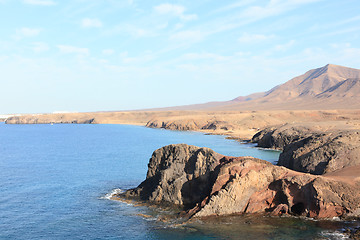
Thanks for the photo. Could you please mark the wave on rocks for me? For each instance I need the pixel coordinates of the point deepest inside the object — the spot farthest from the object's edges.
(114, 192)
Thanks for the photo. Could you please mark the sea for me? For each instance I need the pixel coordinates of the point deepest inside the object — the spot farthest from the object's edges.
(55, 183)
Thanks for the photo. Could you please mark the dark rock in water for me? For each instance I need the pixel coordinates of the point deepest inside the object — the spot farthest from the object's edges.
(179, 174)
(310, 151)
(206, 183)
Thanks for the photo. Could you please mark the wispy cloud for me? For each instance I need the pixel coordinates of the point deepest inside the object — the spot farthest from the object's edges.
(234, 6)
(91, 23)
(250, 38)
(249, 13)
(108, 51)
(40, 47)
(188, 36)
(72, 49)
(129, 29)
(26, 32)
(204, 56)
(174, 10)
(40, 2)
(285, 46)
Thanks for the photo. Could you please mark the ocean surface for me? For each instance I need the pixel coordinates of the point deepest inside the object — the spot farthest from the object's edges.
(55, 179)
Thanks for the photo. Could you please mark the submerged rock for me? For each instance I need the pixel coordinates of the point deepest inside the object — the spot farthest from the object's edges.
(206, 183)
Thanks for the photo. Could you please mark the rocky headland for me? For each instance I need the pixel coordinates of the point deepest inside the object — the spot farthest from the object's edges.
(309, 150)
(205, 183)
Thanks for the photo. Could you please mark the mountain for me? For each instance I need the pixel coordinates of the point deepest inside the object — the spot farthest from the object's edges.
(312, 83)
(328, 87)
(345, 89)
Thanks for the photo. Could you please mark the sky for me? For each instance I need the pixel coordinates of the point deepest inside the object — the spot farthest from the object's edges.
(108, 55)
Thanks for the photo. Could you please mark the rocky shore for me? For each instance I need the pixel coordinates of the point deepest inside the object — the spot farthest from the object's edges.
(317, 176)
(308, 150)
(205, 183)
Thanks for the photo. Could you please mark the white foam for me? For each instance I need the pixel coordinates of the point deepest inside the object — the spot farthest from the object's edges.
(112, 193)
(334, 235)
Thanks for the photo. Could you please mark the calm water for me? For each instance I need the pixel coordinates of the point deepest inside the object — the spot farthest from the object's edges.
(54, 178)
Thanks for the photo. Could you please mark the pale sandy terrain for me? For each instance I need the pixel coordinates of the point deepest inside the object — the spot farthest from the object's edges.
(349, 175)
(239, 124)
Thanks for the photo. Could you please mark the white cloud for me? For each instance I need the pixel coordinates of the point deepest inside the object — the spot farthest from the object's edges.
(40, 47)
(174, 10)
(188, 36)
(249, 38)
(162, 26)
(234, 6)
(144, 58)
(284, 47)
(205, 56)
(40, 2)
(179, 26)
(72, 49)
(91, 22)
(3, 58)
(26, 32)
(274, 8)
(108, 51)
(129, 29)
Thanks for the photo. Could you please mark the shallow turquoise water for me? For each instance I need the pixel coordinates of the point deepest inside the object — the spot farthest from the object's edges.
(54, 178)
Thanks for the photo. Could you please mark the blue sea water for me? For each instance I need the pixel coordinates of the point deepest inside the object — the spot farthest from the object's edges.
(54, 179)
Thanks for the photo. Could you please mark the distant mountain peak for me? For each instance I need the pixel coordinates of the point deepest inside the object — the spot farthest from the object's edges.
(312, 83)
(329, 87)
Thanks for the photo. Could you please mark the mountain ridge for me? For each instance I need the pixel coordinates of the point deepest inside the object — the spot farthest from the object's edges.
(305, 92)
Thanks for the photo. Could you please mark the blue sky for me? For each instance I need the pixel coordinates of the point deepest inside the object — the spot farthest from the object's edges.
(92, 55)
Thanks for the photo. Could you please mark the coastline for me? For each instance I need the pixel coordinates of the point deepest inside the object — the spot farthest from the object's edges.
(242, 125)
(326, 125)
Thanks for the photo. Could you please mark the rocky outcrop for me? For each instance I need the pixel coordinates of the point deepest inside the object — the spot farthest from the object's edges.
(322, 153)
(205, 183)
(216, 125)
(47, 119)
(179, 174)
(280, 136)
(307, 150)
(181, 125)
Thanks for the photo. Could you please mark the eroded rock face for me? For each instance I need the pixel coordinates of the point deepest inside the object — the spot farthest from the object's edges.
(322, 153)
(206, 183)
(311, 151)
(280, 136)
(178, 174)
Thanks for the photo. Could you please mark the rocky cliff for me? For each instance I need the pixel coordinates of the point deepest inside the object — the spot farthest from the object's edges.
(308, 150)
(206, 183)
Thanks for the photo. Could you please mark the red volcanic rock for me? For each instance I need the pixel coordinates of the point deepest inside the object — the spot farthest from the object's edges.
(206, 183)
